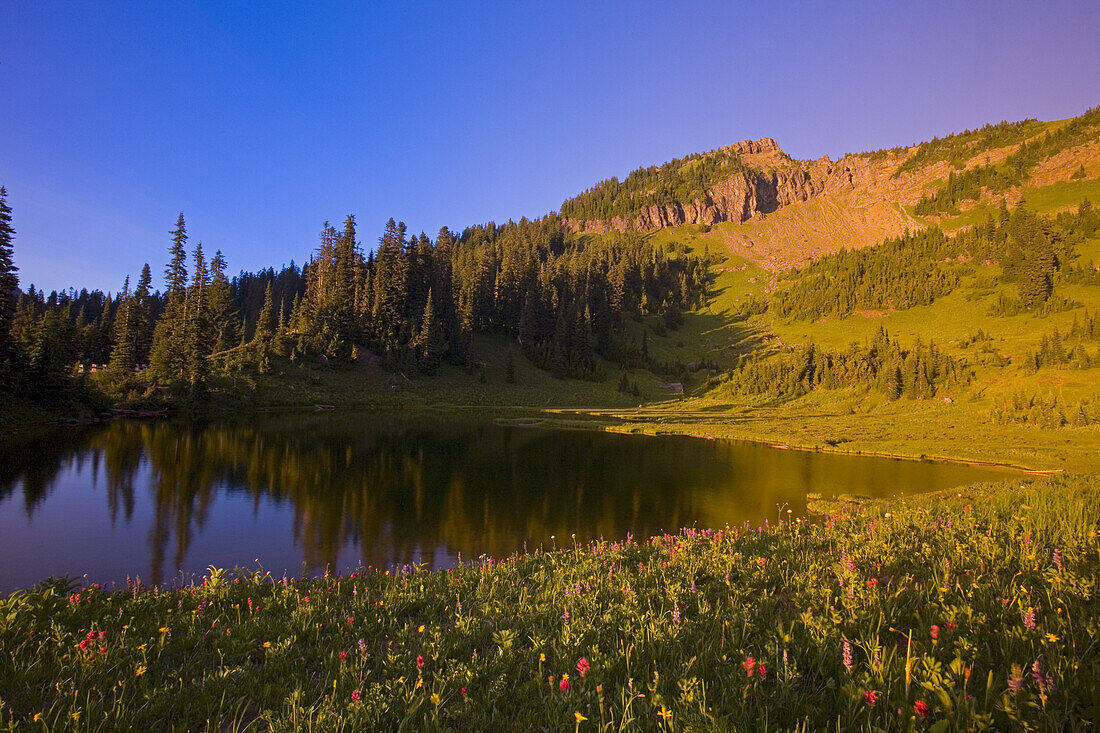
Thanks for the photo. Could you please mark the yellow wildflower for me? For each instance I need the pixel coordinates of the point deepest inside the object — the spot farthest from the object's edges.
(140, 670)
(37, 717)
(665, 713)
(421, 629)
(542, 657)
(267, 645)
(1052, 638)
(435, 698)
(579, 717)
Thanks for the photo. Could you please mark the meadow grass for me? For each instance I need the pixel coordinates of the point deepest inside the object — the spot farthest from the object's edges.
(972, 609)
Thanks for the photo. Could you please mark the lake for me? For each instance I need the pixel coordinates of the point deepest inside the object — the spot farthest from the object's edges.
(159, 498)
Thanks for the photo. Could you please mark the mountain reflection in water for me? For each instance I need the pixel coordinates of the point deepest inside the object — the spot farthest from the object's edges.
(156, 498)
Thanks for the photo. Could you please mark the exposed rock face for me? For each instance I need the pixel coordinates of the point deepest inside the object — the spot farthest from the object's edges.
(742, 197)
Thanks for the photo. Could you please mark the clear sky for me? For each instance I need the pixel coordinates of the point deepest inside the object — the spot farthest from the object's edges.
(260, 121)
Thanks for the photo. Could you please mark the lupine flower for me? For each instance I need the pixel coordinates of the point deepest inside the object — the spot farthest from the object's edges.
(920, 709)
(1016, 678)
(870, 697)
(1042, 679)
(1029, 618)
(847, 656)
(676, 615)
(583, 666)
(1057, 557)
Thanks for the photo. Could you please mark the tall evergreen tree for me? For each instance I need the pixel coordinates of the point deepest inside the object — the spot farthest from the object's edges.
(168, 354)
(144, 316)
(125, 347)
(198, 325)
(9, 294)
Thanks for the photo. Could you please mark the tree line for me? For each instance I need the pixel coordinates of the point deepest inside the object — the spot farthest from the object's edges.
(916, 372)
(409, 303)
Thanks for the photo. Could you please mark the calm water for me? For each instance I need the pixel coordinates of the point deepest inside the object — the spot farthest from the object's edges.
(157, 498)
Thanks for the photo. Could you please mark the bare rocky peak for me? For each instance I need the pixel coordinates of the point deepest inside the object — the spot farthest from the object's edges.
(763, 145)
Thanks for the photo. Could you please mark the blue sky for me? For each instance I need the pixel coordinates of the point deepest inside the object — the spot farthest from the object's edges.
(260, 121)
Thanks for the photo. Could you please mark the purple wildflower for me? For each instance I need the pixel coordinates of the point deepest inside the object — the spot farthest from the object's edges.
(1016, 678)
(847, 657)
(1029, 618)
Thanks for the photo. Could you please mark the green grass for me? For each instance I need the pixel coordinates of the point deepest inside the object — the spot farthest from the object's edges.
(969, 610)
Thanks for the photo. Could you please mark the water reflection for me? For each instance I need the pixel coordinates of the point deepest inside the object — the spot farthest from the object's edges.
(336, 489)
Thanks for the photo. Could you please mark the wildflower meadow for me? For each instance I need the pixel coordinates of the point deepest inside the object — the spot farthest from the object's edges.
(971, 610)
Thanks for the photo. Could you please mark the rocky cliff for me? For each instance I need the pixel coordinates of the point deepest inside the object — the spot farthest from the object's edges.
(743, 197)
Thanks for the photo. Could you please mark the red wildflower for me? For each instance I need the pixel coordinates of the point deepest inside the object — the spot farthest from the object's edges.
(564, 684)
(950, 625)
(419, 663)
(762, 671)
(935, 632)
(355, 694)
(582, 666)
(343, 656)
(920, 709)
(749, 665)
(870, 697)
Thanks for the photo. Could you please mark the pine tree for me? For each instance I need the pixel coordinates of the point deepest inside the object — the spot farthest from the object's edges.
(223, 312)
(9, 295)
(143, 316)
(168, 354)
(122, 355)
(198, 326)
(430, 341)
(390, 285)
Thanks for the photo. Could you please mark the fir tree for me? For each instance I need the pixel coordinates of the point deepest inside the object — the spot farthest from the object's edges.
(168, 354)
(122, 355)
(9, 294)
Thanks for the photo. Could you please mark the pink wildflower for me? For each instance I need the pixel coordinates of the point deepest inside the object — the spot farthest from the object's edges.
(355, 694)
(1029, 618)
(564, 684)
(762, 671)
(847, 656)
(870, 697)
(935, 632)
(920, 709)
(583, 666)
(419, 663)
(749, 665)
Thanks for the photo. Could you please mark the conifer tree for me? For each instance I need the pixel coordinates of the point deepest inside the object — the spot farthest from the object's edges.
(198, 326)
(262, 336)
(122, 355)
(168, 354)
(143, 316)
(9, 294)
(223, 312)
(430, 341)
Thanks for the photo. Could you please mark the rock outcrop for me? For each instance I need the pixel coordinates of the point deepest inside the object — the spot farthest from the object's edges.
(743, 197)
